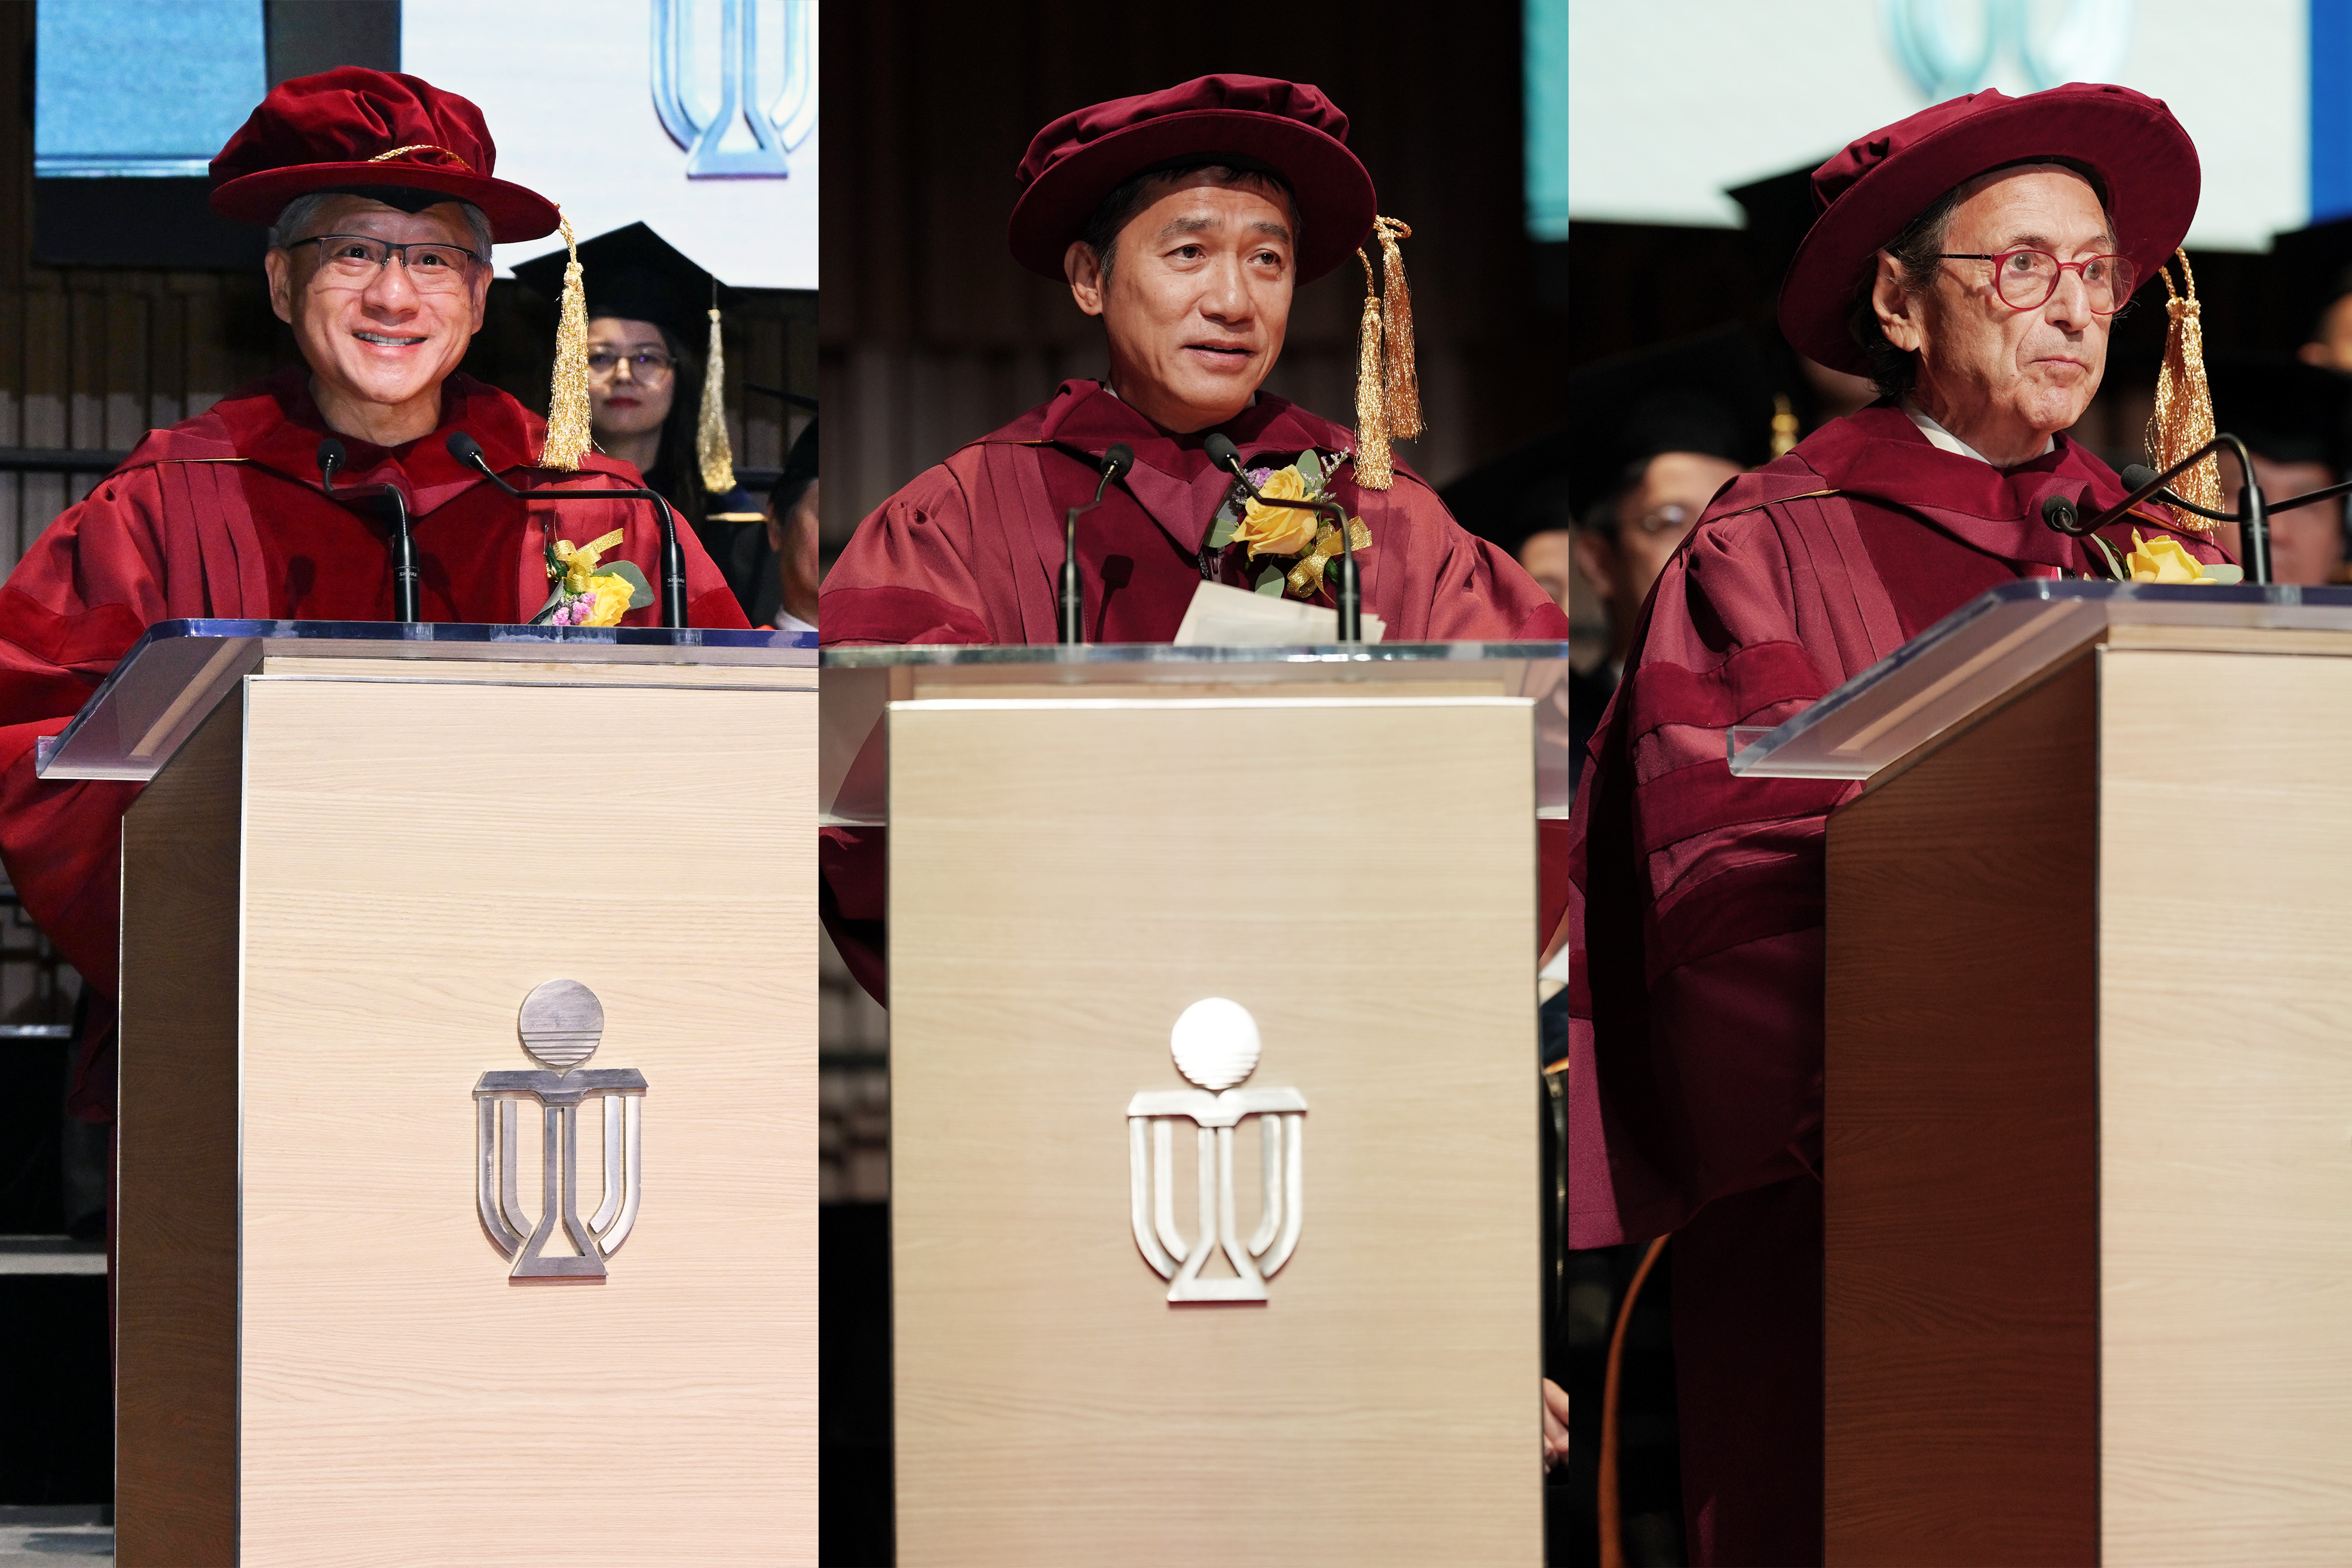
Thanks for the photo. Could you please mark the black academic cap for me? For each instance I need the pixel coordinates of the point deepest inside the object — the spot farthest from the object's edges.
(799, 471)
(1780, 210)
(637, 275)
(1705, 394)
(2310, 270)
(2282, 409)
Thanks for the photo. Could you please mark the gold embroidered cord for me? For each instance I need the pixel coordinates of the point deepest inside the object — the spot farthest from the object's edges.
(2183, 420)
(424, 147)
(568, 435)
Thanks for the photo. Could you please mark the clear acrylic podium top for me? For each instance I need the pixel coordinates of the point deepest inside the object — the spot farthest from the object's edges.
(859, 683)
(175, 674)
(1987, 646)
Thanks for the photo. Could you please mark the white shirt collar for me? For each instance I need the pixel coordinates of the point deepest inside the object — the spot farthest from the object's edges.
(1940, 437)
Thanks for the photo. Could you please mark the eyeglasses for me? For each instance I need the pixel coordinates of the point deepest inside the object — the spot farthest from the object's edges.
(354, 260)
(646, 364)
(1671, 518)
(2026, 279)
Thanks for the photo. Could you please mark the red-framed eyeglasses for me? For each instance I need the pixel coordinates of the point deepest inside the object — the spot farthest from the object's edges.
(2026, 279)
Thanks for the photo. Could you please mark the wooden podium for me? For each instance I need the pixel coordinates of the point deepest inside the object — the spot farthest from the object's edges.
(363, 846)
(2089, 1082)
(1083, 844)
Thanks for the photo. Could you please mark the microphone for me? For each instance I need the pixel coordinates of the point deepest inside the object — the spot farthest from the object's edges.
(2253, 516)
(332, 459)
(1350, 593)
(468, 452)
(1115, 465)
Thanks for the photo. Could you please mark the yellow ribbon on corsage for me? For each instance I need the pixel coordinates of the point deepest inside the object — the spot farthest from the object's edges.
(1304, 580)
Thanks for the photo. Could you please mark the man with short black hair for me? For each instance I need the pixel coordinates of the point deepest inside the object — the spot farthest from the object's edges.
(1184, 219)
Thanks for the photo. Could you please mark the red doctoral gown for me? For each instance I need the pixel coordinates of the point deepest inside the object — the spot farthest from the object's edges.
(221, 517)
(971, 552)
(1695, 914)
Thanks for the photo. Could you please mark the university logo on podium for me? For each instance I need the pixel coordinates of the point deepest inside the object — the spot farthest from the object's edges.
(561, 1024)
(1215, 1045)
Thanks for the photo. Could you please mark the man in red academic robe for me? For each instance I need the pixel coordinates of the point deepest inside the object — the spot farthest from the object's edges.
(1970, 259)
(382, 209)
(1184, 219)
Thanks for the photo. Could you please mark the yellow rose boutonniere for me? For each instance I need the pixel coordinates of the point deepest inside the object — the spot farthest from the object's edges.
(585, 596)
(1304, 539)
(2163, 560)
(1276, 530)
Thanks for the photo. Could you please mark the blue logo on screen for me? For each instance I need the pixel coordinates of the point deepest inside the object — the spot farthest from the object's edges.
(1944, 58)
(734, 82)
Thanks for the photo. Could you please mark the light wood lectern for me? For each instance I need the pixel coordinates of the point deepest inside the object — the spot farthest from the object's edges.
(1132, 1323)
(351, 1327)
(2089, 1082)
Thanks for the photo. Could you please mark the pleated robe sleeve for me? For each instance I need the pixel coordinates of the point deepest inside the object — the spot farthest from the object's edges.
(1696, 898)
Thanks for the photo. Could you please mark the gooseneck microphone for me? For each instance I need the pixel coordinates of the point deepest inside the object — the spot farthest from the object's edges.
(1349, 595)
(468, 451)
(1115, 465)
(2253, 516)
(332, 459)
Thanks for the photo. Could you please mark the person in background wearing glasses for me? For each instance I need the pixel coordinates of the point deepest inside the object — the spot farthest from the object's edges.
(648, 306)
(382, 210)
(1970, 259)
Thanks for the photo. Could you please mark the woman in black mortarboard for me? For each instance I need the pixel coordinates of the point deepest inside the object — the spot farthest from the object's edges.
(648, 312)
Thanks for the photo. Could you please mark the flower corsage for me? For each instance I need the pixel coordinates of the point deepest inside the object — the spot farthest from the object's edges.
(1298, 545)
(2163, 560)
(584, 596)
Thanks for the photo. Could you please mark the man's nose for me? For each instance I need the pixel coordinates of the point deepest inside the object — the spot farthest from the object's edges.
(391, 289)
(1227, 299)
(2070, 302)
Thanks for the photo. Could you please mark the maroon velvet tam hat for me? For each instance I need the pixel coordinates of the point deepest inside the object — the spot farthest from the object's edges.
(1870, 192)
(369, 131)
(1289, 126)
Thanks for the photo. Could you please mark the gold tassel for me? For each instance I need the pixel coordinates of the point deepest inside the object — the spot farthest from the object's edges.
(1784, 426)
(710, 443)
(1374, 471)
(1400, 385)
(2183, 420)
(568, 437)
(1388, 388)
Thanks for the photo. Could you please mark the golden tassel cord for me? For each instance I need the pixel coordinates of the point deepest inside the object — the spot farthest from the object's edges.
(1388, 387)
(1374, 469)
(568, 437)
(1784, 426)
(2183, 420)
(711, 447)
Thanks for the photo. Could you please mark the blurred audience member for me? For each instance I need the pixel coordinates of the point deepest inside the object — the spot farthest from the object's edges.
(2330, 344)
(792, 540)
(648, 321)
(2292, 416)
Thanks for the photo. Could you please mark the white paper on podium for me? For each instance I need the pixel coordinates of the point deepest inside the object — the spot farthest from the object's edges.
(1219, 617)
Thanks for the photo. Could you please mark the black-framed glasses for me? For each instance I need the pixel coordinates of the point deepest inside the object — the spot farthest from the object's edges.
(353, 260)
(2026, 279)
(646, 364)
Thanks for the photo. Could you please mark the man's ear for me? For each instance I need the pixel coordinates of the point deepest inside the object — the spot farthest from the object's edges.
(1084, 273)
(278, 266)
(1595, 555)
(1896, 307)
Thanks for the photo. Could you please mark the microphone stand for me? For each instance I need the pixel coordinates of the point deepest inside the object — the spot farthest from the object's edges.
(331, 457)
(468, 451)
(1349, 596)
(1116, 461)
(2253, 516)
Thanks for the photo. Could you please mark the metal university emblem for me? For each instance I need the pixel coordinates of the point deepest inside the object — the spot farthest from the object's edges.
(561, 1024)
(764, 52)
(1216, 1044)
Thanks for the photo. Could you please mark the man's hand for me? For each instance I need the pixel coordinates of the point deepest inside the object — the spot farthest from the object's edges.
(1555, 1430)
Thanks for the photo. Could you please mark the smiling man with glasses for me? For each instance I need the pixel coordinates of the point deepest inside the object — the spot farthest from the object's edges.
(1971, 260)
(382, 210)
